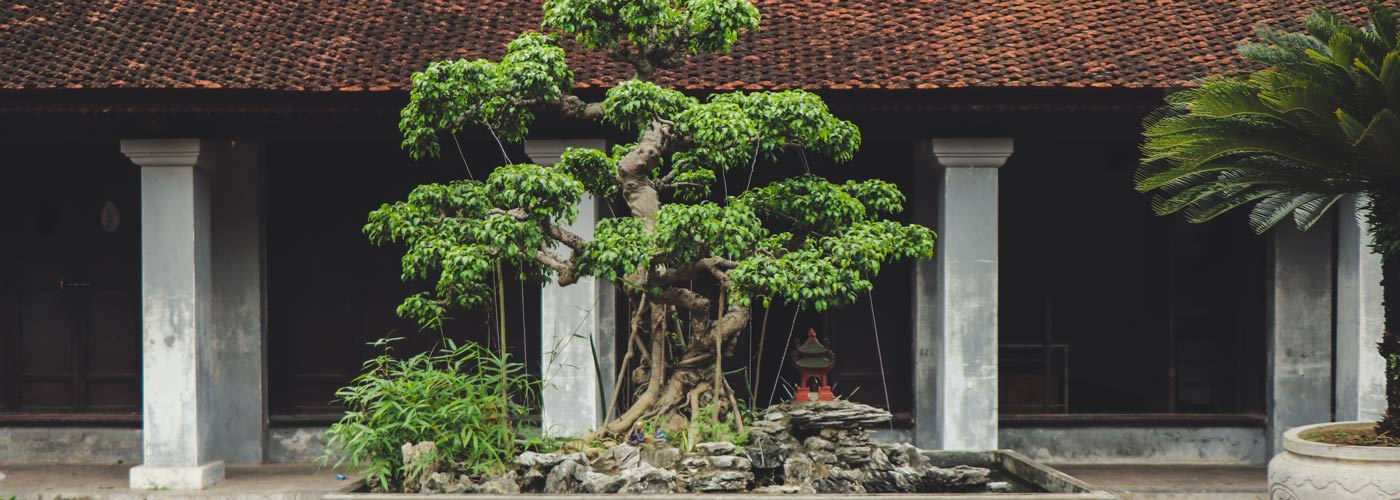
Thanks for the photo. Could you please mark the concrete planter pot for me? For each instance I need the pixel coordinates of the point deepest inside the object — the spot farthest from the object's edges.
(1055, 485)
(1309, 470)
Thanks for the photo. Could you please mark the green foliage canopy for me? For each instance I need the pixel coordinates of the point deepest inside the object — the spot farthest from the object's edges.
(802, 240)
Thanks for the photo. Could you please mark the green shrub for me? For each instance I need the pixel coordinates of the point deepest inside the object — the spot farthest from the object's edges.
(465, 398)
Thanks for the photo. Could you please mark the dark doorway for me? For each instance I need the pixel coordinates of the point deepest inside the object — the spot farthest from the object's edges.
(70, 325)
(1107, 308)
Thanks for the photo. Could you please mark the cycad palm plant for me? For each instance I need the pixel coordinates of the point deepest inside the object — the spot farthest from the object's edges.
(1318, 123)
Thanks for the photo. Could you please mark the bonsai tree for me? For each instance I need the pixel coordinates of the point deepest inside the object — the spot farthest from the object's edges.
(1316, 124)
(693, 260)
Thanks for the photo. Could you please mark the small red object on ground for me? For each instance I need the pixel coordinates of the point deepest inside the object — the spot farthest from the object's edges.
(814, 360)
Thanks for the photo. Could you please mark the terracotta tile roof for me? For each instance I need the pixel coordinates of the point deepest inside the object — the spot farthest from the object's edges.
(373, 45)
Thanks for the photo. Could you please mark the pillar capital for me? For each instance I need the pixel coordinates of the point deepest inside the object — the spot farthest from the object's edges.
(163, 152)
(548, 151)
(971, 152)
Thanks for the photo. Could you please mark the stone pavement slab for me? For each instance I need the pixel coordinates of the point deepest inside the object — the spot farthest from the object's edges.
(1175, 482)
(109, 482)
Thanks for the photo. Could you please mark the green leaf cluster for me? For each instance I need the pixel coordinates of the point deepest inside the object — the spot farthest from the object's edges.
(450, 94)
(461, 231)
(650, 26)
(594, 169)
(688, 233)
(633, 104)
(452, 396)
(809, 203)
(822, 272)
(619, 247)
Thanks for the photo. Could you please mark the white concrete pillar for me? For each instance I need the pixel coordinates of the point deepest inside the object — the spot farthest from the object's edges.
(203, 381)
(1360, 379)
(176, 293)
(955, 299)
(1299, 328)
(577, 326)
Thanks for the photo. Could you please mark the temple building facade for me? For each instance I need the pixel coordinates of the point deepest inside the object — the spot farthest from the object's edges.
(185, 282)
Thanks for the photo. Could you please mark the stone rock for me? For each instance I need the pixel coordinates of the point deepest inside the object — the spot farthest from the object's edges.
(800, 470)
(576, 457)
(715, 448)
(730, 462)
(779, 489)
(721, 481)
(853, 456)
(567, 477)
(824, 457)
(816, 443)
(661, 457)
(504, 484)
(596, 482)
(769, 451)
(839, 414)
(839, 481)
(648, 479)
(463, 484)
(891, 480)
(879, 460)
(766, 428)
(694, 465)
(999, 487)
(532, 481)
(617, 459)
(547, 460)
(531, 459)
(436, 482)
(417, 454)
(957, 479)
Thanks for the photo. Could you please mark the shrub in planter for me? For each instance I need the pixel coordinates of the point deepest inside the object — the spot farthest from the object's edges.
(1289, 141)
(464, 398)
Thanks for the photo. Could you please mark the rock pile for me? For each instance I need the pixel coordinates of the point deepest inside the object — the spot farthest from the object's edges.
(813, 447)
(822, 447)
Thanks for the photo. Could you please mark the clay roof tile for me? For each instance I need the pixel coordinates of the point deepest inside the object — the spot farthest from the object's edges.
(364, 45)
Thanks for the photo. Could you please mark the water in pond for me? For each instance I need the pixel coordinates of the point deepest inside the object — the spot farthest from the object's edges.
(1017, 485)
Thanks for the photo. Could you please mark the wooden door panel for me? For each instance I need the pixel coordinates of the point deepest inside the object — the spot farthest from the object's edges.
(46, 333)
(113, 346)
(70, 326)
(113, 394)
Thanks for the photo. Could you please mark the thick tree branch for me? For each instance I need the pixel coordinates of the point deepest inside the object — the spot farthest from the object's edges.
(634, 171)
(572, 106)
(717, 266)
(567, 270)
(686, 298)
(568, 238)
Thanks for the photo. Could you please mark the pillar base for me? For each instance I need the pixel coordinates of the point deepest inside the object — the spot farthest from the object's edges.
(199, 477)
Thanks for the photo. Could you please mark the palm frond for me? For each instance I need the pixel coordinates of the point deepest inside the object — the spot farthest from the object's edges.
(1269, 211)
(1313, 211)
(1290, 139)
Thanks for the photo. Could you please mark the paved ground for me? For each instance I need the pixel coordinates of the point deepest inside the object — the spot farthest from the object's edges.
(1176, 482)
(107, 482)
(309, 482)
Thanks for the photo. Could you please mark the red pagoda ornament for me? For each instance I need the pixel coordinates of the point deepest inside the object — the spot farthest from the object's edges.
(814, 360)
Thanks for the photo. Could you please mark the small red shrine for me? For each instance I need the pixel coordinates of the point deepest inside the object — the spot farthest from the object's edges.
(813, 360)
